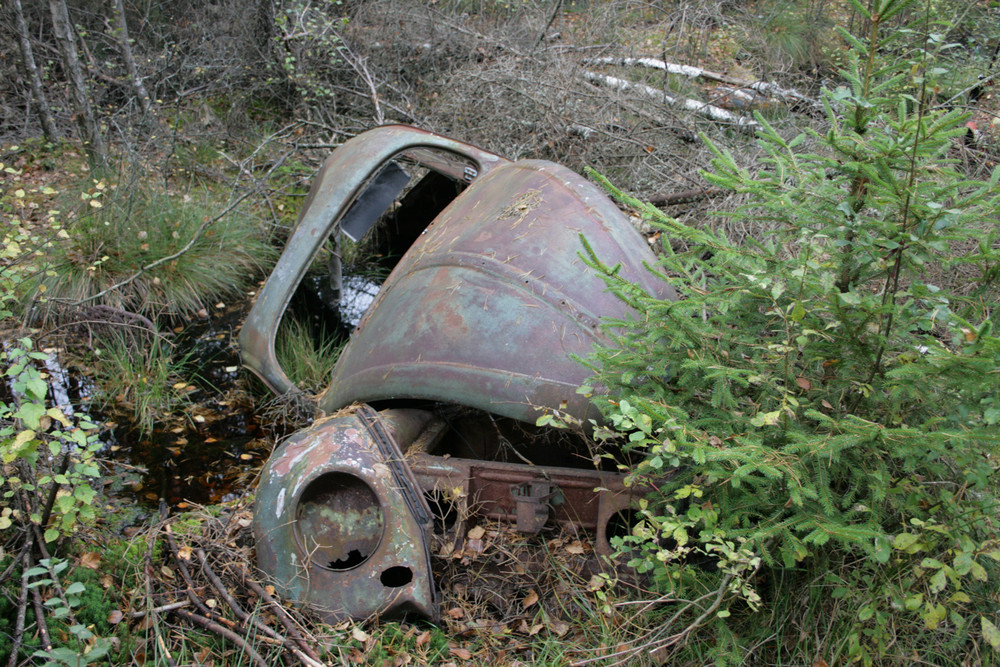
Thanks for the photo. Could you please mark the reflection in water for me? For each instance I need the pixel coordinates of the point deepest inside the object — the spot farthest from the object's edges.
(358, 293)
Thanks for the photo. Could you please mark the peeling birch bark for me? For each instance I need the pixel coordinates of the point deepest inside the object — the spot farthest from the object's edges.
(704, 109)
(762, 87)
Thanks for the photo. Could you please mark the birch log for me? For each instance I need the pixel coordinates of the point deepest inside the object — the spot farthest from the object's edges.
(704, 109)
(762, 87)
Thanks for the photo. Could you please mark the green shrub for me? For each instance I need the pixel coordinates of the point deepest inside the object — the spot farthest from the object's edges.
(819, 419)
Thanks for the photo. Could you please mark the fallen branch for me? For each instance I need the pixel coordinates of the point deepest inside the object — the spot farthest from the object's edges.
(709, 111)
(142, 613)
(283, 618)
(685, 196)
(762, 87)
(224, 632)
(22, 607)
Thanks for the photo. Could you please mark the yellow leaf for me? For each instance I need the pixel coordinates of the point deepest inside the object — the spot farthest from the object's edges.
(23, 437)
(57, 414)
(95, 204)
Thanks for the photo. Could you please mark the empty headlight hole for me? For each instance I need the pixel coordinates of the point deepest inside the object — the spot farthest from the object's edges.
(339, 521)
(396, 576)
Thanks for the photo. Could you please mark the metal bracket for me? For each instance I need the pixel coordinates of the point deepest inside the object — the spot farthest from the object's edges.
(532, 501)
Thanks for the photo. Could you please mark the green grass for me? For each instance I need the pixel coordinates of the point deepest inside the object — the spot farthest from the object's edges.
(308, 360)
(138, 380)
(143, 230)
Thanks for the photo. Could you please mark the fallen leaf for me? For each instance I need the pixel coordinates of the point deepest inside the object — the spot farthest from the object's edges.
(359, 634)
(115, 617)
(535, 629)
(558, 627)
(530, 599)
(106, 581)
(211, 603)
(476, 533)
(184, 553)
(180, 385)
(826, 404)
(167, 572)
(270, 590)
(803, 383)
(90, 560)
(463, 653)
(423, 638)
(246, 457)
(199, 418)
(576, 548)
(820, 662)
(456, 613)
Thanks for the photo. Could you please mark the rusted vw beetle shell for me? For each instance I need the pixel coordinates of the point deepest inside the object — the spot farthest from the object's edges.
(488, 310)
(491, 304)
(488, 306)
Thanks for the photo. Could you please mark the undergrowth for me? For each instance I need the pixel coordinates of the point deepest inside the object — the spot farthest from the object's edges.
(144, 250)
(828, 414)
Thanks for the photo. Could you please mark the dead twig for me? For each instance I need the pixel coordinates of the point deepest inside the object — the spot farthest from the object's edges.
(22, 608)
(283, 618)
(224, 632)
(685, 196)
(159, 610)
(233, 604)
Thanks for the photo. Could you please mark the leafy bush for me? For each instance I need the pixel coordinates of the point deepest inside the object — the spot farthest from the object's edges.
(814, 411)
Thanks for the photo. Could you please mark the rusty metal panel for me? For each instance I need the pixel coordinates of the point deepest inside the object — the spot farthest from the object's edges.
(342, 179)
(491, 304)
(341, 524)
(587, 499)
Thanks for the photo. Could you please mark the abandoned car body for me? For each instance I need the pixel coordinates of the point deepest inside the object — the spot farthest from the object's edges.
(476, 331)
